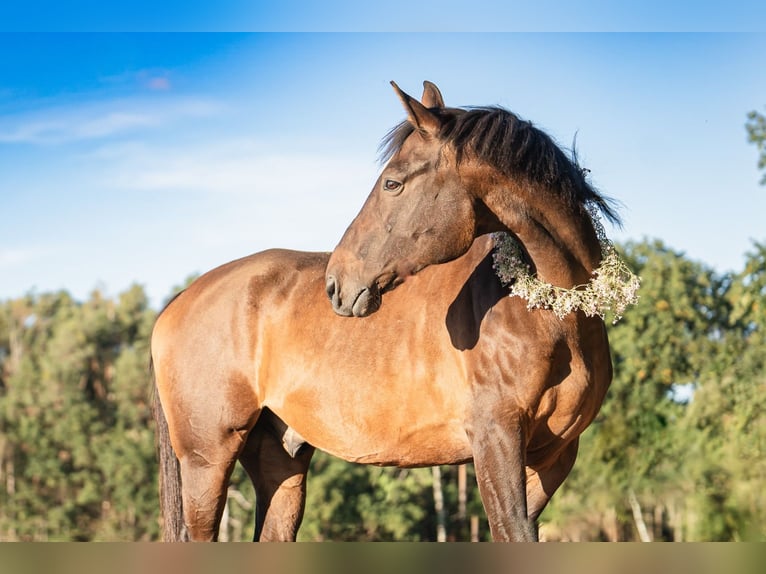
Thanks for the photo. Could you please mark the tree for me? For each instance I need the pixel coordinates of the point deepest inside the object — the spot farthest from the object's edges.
(127, 458)
(628, 463)
(78, 458)
(727, 419)
(356, 502)
(47, 423)
(677, 452)
(756, 133)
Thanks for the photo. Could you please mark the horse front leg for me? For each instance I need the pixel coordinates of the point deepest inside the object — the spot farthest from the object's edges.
(499, 453)
(543, 482)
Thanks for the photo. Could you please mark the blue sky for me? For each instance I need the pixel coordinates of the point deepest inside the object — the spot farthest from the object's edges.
(392, 15)
(147, 157)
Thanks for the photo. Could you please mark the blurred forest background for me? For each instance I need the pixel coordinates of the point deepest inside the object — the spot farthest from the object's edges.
(677, 452)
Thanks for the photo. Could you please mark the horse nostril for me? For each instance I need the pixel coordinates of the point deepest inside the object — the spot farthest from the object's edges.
(331, 287)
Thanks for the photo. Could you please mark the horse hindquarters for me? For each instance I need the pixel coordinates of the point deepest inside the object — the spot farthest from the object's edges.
(192, 491)
(206, 448)
(194, 485)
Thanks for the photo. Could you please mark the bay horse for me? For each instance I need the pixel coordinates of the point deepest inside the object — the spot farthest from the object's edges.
(253, 364)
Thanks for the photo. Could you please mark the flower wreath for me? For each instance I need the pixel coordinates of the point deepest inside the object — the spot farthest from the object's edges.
(612, 288)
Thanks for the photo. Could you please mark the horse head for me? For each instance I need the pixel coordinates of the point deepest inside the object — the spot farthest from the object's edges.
(420, 212)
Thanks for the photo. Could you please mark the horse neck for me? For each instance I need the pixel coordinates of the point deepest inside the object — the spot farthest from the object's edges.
(560, 240)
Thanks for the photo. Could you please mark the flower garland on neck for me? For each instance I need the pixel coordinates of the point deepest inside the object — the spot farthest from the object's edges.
(612, 288)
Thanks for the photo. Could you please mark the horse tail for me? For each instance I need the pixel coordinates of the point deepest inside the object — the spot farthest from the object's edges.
(171, 502)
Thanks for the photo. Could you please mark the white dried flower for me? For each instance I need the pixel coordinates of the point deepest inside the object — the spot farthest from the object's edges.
(612, 288)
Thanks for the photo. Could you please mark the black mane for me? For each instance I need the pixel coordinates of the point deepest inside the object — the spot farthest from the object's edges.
(513, 146)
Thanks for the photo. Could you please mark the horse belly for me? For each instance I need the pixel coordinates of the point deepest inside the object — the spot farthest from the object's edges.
(389, 445)
(372, 421)
(420, 447)
(388, 389)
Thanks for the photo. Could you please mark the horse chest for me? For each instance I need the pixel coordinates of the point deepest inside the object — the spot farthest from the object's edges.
(567, 407)
(553, 384)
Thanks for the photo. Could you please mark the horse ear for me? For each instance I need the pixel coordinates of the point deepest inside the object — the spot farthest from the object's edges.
(432, 97)
(419, 115)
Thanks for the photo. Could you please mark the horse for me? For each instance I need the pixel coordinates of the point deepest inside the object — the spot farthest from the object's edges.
(420, 357)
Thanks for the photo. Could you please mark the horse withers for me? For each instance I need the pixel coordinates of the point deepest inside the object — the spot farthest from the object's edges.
(438, 364)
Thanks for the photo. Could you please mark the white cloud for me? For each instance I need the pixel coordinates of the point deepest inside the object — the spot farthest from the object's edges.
(144, 156)
(13, 257)
(98, 120)
(234, 166)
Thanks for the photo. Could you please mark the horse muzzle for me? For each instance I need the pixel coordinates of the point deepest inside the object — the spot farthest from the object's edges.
(353, 301)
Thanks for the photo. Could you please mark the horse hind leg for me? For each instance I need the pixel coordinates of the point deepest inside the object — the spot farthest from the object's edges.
(277, 461)
(205, 473)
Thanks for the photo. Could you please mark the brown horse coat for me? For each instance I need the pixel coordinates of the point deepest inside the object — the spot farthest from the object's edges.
(252, 362)
(395, 388)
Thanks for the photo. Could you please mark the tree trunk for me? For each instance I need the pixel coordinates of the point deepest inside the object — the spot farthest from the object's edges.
(659, 521)
(223, 527)
(10, 489)
(643, 532)
(474, 528)
(675, 522)
(610, 525)
(441, 517)
(462, 498)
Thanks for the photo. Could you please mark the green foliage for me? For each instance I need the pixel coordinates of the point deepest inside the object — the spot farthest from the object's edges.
(727, 421)
(77, 455)
(756, 133)
(695, 462)
(354, 502)
(77, 447)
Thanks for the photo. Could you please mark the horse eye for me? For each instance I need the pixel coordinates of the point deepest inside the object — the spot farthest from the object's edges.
(392, 185)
